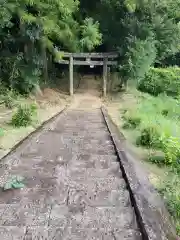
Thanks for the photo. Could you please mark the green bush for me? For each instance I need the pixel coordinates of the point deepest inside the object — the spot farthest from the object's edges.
(171, 149)
(131, 121)
(149, 137)
(8, 98)
(24, 115)
(161, 80)
(157, 159)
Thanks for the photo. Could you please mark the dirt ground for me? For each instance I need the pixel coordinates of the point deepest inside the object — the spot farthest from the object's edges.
(88, 95)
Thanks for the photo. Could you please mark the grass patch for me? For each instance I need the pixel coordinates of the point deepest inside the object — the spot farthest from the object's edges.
(157, 120)
(169, 189)
(155, 123)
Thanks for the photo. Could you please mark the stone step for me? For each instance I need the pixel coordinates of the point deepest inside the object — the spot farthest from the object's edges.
(65, 153)
(61, 140)
(97, 184)
(44, 165)
(56, 148)
(86, 141)
(104, 164)
(89, 118)
(94, 198)
(98, 151)
(91, 132)
(36, 192)
(84, 114)
(24, 215)
(89, 173)
(12, 233)
(57, 233)
(97, 158)
(83, 120)
(65, 215)
(93, 217)
(89, 148)
(84, 135)
(27, 173)
(53, 137)
(80, 123)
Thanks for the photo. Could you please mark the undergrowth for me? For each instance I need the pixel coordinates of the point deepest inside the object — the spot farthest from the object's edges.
(8, 98)
(170, 191)
(161, 80)
(24, 115)
(156, 120)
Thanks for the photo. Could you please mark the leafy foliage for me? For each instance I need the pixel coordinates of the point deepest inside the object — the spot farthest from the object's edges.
(156, 129)
(159, 131)
(90, 34)
(15, 182)
(8, 98)
(30, 33)
(170, 190)
(160, 80)
(24, 115)
(140, 56)
(131, 120)
(149, 137)
(144, 32)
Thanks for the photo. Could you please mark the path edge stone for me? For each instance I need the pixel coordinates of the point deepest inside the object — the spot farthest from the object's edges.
(34, 132)
(152, 216)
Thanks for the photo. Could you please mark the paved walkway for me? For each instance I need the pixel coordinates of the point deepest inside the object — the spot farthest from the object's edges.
(74, 188)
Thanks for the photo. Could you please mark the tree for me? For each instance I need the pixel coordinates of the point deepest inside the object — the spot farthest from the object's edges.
(31, 31)
(142, 31)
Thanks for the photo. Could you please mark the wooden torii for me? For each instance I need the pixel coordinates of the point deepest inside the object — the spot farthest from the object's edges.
(91, 59)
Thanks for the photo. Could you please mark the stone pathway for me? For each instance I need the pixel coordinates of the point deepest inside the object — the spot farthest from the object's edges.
(74, 188)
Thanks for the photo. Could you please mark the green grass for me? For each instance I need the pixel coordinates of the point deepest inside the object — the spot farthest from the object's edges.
(155, 122)
(169, 188)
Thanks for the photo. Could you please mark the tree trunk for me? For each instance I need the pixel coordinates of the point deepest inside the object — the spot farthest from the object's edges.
(45, 67)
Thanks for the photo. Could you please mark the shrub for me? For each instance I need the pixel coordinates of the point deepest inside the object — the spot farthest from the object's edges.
(157, 159)
(131, 121)
(24, 115)
(149, 137)
(161, 80)
(171, 149)
(8, 98)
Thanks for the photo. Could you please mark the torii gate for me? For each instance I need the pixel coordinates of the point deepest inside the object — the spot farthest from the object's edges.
(99, 59)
